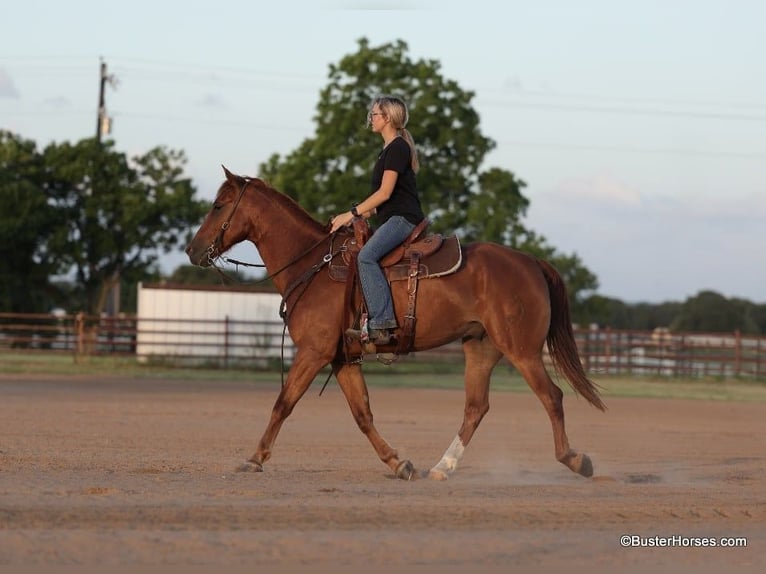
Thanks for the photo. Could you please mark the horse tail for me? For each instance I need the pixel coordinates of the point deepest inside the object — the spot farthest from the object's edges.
(561, 341)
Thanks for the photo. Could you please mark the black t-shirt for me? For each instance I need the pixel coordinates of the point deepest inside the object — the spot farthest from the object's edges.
(404, 200)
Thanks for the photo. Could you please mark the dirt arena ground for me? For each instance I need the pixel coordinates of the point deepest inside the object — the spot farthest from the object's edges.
(116, 471)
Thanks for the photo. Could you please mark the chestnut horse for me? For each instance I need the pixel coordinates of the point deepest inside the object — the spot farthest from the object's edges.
(500, 302)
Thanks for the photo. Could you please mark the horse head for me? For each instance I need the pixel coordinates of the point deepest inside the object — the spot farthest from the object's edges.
(224, 226)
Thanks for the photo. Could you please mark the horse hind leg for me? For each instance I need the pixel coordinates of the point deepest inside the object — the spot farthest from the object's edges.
(534, 372)
(481, 356)
(354, 388)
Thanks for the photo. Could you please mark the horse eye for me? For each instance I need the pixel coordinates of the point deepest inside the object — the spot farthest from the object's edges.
(217, 206)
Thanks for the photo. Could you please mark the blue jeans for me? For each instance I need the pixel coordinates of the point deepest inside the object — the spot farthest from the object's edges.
(377, 293)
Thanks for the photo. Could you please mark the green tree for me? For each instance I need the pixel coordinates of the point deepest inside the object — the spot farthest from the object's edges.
(758, 313)
(610, 312)
(712, 312)
(648, 316)
(331, 170)
(115, 216)
(26, 224)
(604, 312)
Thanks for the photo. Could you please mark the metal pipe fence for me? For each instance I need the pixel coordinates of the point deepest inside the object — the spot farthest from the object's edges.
(230, 342)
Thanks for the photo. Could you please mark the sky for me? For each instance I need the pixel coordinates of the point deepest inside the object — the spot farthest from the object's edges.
(638, 127)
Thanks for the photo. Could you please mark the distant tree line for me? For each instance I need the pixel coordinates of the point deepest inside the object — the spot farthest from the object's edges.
(707, 311)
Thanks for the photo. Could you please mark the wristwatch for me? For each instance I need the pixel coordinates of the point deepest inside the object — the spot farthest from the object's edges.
(354, 211)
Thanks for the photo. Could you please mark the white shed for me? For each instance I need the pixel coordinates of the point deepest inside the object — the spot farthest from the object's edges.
(211, 324)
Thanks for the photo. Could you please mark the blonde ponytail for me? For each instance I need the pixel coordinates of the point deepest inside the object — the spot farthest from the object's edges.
(414, 161)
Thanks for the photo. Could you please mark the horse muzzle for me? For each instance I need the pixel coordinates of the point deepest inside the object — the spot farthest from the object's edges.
(204, 258)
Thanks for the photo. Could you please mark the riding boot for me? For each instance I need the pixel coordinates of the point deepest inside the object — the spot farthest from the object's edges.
(376, 336)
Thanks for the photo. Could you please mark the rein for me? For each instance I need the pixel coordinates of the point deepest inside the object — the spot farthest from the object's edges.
(272, 275)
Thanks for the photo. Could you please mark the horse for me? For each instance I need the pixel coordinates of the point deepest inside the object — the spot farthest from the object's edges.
(501, 302)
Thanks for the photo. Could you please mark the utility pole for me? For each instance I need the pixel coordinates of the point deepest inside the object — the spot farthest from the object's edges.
(103, 122)
(104, 127)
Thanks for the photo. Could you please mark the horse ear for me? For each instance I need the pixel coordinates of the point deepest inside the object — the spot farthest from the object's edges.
(229, 176)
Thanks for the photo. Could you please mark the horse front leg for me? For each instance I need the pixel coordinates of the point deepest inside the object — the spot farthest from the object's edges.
(299, 378)
(354, 388)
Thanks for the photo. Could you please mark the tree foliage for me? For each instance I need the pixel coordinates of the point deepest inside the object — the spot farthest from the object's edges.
(707, 311)
(712, 312)
(332, 169)
(92, 214)
(26, 225)
(610, 312)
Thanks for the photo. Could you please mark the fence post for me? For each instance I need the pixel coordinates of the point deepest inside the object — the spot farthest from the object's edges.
(737, 353)
(79, 329)
(226, 342)
(587, 350)
(608, 349)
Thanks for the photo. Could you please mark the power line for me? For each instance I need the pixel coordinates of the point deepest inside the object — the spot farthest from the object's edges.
(184, 73)
(635, 150)
(221, 69)
(628, 111)
(523, 92)
(176, 72)
(248, 125)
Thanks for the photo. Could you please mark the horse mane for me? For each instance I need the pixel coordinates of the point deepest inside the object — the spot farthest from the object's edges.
(285, 203)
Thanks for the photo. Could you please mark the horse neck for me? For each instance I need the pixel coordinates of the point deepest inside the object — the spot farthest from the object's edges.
(282, 231)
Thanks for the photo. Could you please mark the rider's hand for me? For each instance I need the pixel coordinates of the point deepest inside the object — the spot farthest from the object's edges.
(341, 221)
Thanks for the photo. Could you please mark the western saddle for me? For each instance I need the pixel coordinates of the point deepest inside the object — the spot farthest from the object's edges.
(422, 255)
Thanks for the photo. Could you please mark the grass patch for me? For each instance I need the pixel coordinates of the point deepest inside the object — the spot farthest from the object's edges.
(713, 389)
(506, 380)
(401, 375)
(65, 365)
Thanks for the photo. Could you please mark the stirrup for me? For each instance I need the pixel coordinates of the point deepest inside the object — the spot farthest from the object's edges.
(381, 336)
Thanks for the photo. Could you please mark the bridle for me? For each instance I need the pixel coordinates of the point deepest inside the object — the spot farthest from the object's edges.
(213, 248)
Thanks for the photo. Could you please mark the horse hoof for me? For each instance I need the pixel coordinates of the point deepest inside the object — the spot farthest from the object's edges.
(405, 470)
(586, 466)
(434, 474)
(250, 466)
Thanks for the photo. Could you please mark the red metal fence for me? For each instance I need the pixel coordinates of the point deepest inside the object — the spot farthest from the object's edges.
(231, 342)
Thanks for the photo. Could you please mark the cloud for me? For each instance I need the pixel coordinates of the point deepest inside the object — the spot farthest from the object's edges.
(646, 248)
(513, 83)
(7, 88)
(58, 102)
(736, 209)
(213, 101)
(379, 5)
(601, 189)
